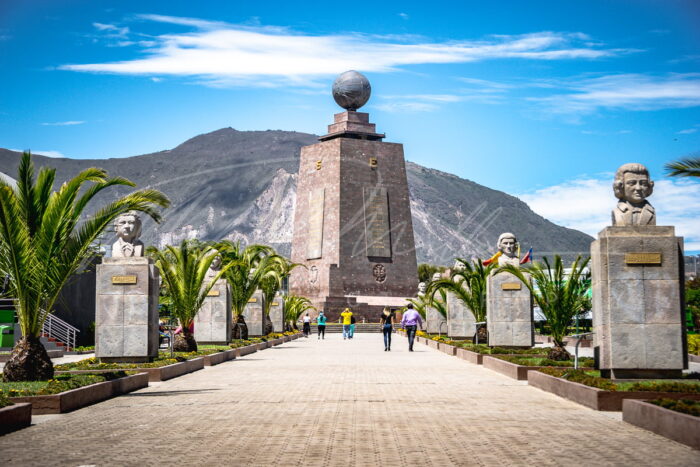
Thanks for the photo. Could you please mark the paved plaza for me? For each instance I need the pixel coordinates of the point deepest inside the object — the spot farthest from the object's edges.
(335, 402)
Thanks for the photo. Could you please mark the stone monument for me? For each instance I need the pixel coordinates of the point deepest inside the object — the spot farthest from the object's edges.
(352, 226)
(212, 324)
(277, 313)
(509, 314)
(460, 319)
(637, 279)
(126, 316)
(435, 323)
(254, 315)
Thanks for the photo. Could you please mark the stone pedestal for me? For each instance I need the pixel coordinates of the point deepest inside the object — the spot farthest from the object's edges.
(277, 314)
(353, 230)
(435, 323)
(212, 325)
(637, 279)
(509, 316)
(126, 317)
(460, 319)
(254, 316)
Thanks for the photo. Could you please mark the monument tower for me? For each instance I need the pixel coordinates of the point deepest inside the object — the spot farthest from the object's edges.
(352, 224)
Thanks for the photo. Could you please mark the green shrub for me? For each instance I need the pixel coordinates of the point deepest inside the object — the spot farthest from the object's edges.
(60, 383)
(541, 361)
(686, 406)
(4, 399)
(661, 386)
(694, 344)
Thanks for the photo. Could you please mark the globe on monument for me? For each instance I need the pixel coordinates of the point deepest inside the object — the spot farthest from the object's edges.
(351, 90)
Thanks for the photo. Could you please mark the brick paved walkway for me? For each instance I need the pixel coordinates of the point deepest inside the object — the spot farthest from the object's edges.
(338, 402)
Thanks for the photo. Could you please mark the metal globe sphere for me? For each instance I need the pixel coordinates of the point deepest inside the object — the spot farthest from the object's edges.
(351, 90)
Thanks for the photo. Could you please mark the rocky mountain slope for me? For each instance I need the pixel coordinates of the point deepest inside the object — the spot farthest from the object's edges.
(242, 186)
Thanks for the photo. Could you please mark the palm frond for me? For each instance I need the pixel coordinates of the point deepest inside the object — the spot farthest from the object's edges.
(687, 167)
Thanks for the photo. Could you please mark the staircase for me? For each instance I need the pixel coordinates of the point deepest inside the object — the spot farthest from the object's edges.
(57, 336)
(359, 327)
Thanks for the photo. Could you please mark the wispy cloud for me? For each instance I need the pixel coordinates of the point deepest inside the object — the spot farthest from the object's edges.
(625, 92)
(586, 203)
(112, 30)
(221, 53)
(404, 15)
(55, 154)
(67, 123)
(687, 131)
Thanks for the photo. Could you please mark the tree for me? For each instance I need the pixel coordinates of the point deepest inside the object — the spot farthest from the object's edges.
(426, 271)
(44, 239)
(270, 284)
(467, 283)
(294, 307)
(184, 272)
(560, 295)
(428, 300)
(687, 167)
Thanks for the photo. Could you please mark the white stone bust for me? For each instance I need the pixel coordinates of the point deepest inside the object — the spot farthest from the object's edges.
(127, 227)
(214, 267)
(508, 246)
(422, 287)
(436, 277)
(632, 186)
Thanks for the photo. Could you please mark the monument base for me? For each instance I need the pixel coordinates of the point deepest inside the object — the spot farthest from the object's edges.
(638, 308)
(277, 314)
(435, 323)
(460, 319)
(641, 374)
(126, 317)
(255, 319)
(212, 324)
(509, 316)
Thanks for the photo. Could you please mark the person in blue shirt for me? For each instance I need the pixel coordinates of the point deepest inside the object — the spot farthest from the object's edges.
(321, 321)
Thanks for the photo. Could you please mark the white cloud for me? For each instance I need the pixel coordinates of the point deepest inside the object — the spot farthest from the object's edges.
(68, 123)
(687, 131)
(55, 154)
(226, 54)
(112, 30)
(416, 102)
(404, 15)
(626, 92)
(586, 203)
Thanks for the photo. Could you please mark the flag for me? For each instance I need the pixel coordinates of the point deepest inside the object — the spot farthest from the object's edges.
(491, 259)
(527, 258)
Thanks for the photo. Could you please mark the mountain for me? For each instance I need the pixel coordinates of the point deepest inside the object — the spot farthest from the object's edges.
(242, 185)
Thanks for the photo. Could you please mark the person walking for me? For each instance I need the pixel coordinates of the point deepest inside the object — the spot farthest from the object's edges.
(321, 322)
(352, 327)
(307, 325)
(410, 322)
(386, 319)
(346, 316)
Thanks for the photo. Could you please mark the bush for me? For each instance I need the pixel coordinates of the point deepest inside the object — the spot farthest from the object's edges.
(694, 344)
(60, 383)
(540, 361)
(662, 386)
(686, 406)
(4, 399)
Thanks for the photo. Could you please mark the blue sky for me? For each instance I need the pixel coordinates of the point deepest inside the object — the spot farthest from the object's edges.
(539, 99)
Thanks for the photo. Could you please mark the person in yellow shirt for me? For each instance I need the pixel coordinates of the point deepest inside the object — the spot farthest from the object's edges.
(347, 321)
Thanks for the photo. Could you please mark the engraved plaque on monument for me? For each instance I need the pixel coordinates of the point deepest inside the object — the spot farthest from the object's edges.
(316, 205)
(377, 230)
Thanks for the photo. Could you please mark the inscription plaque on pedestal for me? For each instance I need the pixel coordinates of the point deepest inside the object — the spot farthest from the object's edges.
(316, 204)
(377, 230)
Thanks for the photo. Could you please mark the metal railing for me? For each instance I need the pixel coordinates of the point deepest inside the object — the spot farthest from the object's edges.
(60, 330)
(579, 337)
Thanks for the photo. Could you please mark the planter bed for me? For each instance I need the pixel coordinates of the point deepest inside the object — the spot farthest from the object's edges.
(15, 416)
(246, 350)
(162, 373)
(219, 357)
(468, 355)
(447, 348)
(597, 399)
(677, 426)
(432, 344)
(277, 341)
(86, 395)
(511, 369)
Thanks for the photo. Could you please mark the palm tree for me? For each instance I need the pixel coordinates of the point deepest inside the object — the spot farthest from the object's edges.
(272, 283)
(184, 271)
(687, 167)
(559, 295)
(294, 307)
(467, 283)
(43, 241)
(248, 267)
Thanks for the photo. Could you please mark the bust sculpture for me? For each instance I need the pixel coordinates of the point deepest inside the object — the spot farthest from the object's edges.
(436, 277)
(508, 245)
(632, 186)
(214, 267)
(422, 287)
(128, 230)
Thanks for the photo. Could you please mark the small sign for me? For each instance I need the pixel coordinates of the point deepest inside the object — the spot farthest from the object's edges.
(252, 300)
(213, 293)
(373, 162)
(642, 258)
(131, 279)
(274, 304)
(511, 286)
(318, 165)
